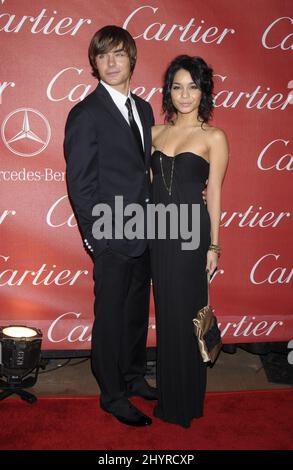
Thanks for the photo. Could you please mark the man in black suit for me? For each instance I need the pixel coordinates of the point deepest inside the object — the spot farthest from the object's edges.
(108, 147)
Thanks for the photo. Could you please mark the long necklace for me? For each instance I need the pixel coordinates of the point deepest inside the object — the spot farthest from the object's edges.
(168, 187)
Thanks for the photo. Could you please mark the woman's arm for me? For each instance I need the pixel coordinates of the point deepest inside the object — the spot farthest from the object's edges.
(218, 157)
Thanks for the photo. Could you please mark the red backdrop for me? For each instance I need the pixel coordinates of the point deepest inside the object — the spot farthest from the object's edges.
(45, 275)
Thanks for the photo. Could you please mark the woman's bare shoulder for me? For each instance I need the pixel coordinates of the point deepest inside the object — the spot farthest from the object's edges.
(217, 135)
(218, 146)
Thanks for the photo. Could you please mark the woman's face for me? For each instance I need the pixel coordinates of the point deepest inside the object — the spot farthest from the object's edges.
(184, 93)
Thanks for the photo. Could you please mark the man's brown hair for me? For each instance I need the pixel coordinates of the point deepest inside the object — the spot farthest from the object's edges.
(108, 38)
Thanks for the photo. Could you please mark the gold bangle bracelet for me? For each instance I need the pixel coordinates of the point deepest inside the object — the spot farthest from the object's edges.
(215, 250)
(215, 247)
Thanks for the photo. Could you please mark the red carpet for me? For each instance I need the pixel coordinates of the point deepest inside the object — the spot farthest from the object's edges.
(233, 420)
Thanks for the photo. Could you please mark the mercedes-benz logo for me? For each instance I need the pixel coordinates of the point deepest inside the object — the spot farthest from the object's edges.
(26, 142)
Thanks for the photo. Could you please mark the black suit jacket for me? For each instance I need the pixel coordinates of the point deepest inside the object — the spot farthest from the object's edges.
(103, 161)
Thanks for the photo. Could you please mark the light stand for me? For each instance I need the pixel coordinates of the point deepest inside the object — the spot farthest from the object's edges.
(20, 350)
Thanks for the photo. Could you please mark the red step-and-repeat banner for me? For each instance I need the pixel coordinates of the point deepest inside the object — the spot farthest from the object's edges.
(45, 275)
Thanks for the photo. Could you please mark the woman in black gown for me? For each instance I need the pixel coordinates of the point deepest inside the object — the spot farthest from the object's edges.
(187, 152)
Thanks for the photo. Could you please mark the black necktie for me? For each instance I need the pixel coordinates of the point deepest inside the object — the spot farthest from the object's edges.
(133, 125)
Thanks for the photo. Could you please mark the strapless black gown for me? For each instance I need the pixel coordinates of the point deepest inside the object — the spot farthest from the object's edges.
(180, 289)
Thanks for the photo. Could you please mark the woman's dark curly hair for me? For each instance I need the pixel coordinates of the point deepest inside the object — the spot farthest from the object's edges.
(201, 74)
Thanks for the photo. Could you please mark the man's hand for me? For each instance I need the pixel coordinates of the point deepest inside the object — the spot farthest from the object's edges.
(204, 193)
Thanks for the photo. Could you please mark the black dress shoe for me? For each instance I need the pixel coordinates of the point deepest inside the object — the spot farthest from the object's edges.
(142, 389)
(126, 413)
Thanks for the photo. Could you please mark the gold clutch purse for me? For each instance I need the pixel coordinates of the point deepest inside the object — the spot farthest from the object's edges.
(207, 331)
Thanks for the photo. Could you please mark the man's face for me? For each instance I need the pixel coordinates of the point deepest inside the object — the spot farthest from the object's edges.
(114, 67)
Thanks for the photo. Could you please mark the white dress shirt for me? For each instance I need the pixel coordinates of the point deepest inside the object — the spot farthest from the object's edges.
(120, 100)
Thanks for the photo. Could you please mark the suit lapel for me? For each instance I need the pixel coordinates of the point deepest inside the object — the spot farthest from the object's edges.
(112, 108)
(116, 114)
